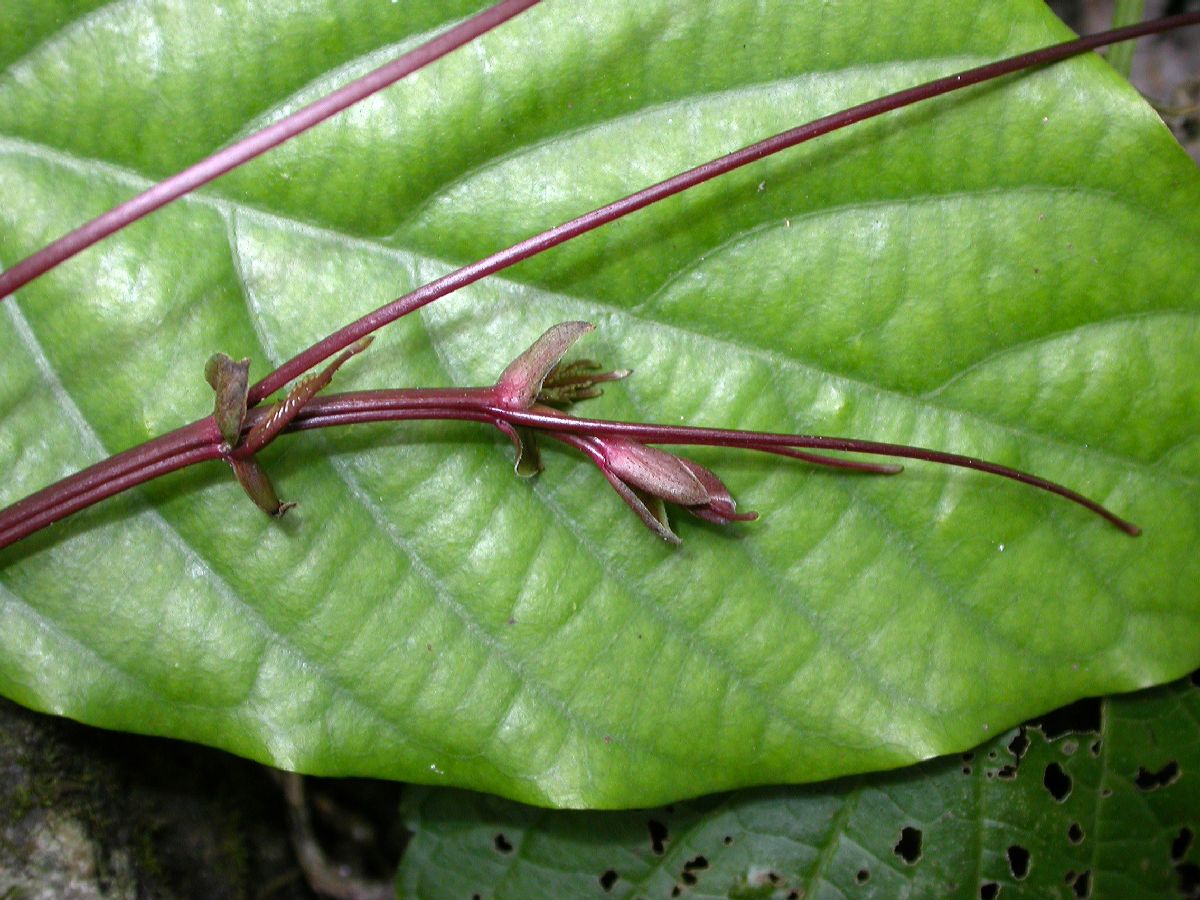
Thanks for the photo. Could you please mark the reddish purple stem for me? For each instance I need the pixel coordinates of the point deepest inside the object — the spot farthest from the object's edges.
(552, 237)
(373, 406)
(202, 441)
(255, 145)
(193, 443)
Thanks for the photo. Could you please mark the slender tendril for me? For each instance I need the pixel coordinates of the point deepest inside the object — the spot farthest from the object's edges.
(607, 443)
(590, 221)
(256, 144)
(201, 441)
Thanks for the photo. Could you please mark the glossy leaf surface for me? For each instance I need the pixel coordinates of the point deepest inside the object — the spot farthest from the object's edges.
(1010, 273)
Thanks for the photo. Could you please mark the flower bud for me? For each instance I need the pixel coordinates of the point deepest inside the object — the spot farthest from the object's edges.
(654, 471)
(645, 476)
(721, 508)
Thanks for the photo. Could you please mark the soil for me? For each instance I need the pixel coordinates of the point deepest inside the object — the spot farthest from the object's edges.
(86, 813)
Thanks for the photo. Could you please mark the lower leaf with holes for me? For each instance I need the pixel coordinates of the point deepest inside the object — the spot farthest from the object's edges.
(1009, 273)
(1098, 810)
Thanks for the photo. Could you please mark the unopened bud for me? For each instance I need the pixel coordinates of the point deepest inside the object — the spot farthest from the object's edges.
(654, 471)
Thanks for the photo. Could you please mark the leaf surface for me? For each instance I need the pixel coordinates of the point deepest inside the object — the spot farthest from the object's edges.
(1098, 800)
(1010, 273)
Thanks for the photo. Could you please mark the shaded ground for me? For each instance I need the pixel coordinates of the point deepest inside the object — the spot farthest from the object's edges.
(87, 813)
(1166, 68)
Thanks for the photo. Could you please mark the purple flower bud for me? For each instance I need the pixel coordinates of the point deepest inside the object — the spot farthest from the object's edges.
(654, 471)
(721, 508)
(645, 476)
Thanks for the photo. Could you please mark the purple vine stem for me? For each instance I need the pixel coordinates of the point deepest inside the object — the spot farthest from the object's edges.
(539, 243)
(256, 144)
(375, 406)
(201, 440)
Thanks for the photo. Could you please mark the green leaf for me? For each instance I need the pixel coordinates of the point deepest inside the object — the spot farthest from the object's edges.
(1104, 809)
(1008, 273)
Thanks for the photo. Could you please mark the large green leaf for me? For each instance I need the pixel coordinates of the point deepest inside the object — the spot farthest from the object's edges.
(1106, 810)
(1009, 273)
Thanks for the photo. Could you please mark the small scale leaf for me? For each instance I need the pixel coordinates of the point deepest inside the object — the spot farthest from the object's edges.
(521, 382)
(258, 487)
(528, 459)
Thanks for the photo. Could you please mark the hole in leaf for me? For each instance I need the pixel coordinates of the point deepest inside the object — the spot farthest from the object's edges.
(1057, 782)
(1096, 745)
(1018, 861)
(502, 844)
(676, 891)
(608, 879)
(1105, 793)
(1081, 717)
(1075, 833)
(989, 890)
(991, 754)
(1070, 876)
(793, 895)
(1181, 844)
(1019, 744)
(967, 757)
(728, 840)
(863, 876)
(1008, 773)
(1189, 878)
(658, 836)
(691, 867)
(1083, 884)
(1069, 747)
(1152, 781)
(908, 848)
(966, 770)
